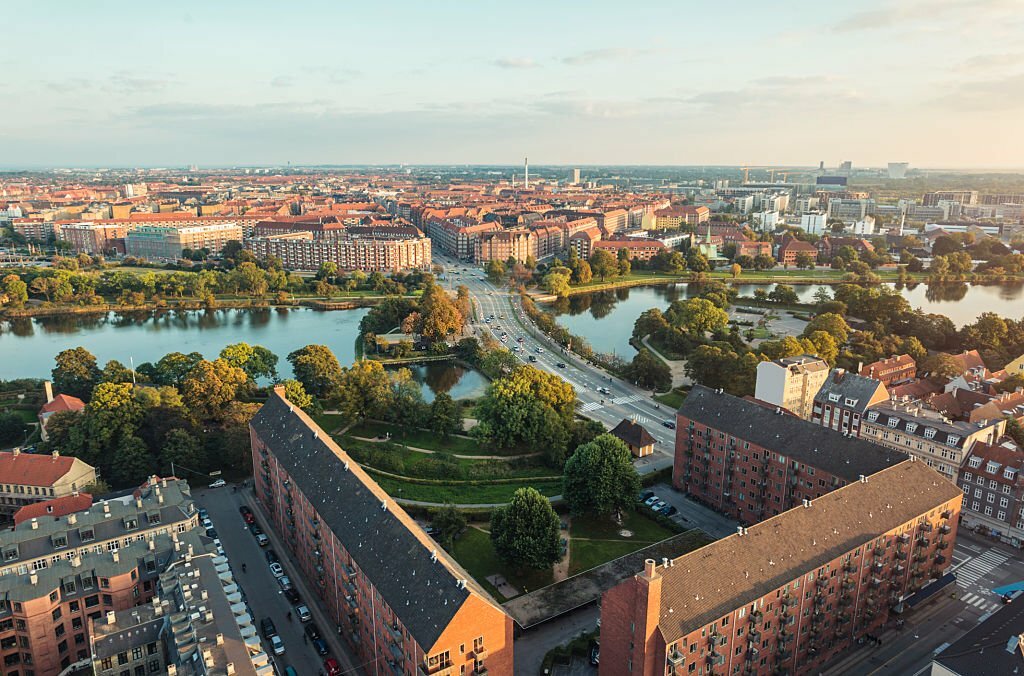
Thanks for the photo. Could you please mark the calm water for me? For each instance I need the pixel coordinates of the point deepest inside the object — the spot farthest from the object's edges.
(606, 318)
(458, 382)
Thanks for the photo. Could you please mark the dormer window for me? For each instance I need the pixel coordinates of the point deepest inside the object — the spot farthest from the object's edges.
(952, 440)
(911, 427)
(873, 416)
(60, 540)
(131, 522)
(850, 402)
(1009, 473)
(929, 433)
(154, 517)
(974, 462)
(894, 422)
(86, 534)
(833, 397)
(992, 467)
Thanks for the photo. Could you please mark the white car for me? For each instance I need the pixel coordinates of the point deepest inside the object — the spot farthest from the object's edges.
(540, 350)
(277, 644)
(276, 570)
(219, 483)
(302, 611)
(659, 505)
(651, 500)
(207, 523)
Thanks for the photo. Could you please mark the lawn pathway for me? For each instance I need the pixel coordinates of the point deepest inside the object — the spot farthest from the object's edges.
(561, 568)
(378, 440)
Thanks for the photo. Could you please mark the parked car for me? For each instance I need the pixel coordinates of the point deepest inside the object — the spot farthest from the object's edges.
(206, 523)
(302, 611)
(247, 515)
(277, 645)
(312, 631)
(332, 667)
(203, 514)
(262, 540)
(271, 556)
(211, 532)
(255, 529)
(276, 570)
(659, 505)
(267, 627)
(540, 350)
(645, 495)
(285, 582)
(220, 483)
(292, 596)
(669, 424)
(290, 671)
(320, 646)
(651, 500)
(670, 510)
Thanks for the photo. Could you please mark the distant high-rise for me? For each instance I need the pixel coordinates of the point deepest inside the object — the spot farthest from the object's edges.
(898, 169)
(846, 167)
(526, 173)
(574, 176)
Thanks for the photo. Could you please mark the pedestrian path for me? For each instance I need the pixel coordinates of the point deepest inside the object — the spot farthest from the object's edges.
(639, 419)
(977, 567)
(982, 603)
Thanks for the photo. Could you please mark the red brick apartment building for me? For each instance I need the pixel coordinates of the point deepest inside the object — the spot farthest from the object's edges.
(752, 461)
(399, 600)
(789, 594)
(894, 370)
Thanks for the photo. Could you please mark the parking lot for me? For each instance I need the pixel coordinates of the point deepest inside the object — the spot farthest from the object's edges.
(693, 515)
(262, 590)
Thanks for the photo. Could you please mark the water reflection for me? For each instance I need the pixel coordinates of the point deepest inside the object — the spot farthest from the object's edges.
(443, 376)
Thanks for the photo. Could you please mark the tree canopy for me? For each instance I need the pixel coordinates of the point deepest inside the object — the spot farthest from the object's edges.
(525, 532)
(600, 477)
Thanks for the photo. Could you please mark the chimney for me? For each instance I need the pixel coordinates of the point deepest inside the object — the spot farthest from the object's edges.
(229, 668)
(48, 389)
(739, 530)
(279, 391)
(138, 503)
(807, 503)
(33, 578)
(220, 639)
(106, 507)
(863, 479)
(55, 455)
(72, 519)
(111, 617)
(35, 524)
(17, 450)
(76, 561)
(649, 568)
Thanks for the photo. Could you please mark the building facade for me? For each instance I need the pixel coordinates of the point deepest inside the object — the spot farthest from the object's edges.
(992, 479)
(28, 478)
(791, 593)
(303, 251)
(164, 242)
(843, 400)
(396, 597)
(752, 462)
(791, 382)
(504, 244)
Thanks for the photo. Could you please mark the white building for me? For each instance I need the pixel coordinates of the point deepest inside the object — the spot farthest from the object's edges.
(814, 223)
(766, 220)
(865, 227)
(791, 383)
(898, 169)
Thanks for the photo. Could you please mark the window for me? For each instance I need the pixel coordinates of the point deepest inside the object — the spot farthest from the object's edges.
(131, 523)
(988, 511)
(929, 433)
(968, 476)
(833, 397)
(1008, 473)
(1003, 502)
(990, 498)
(1001, 516)
(975, 505)
(86, 534)
(967, 489)
(952, 439)
(137, 653)
(992, 467)
(911, 427)
(872, 416)
(894, 422)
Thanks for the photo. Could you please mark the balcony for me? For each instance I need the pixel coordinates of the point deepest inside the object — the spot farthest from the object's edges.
(845, 599)
(756, 616)
(942, 544)
(848, 584)
(754, 637)
(849, 567)
(784, 655)
(878, 551)
(715, 659)
(947, 514)
(903, 539)
(940, 559)
(901, 555)
(875, 583)
(676, 658)
(922, 541)
(820, 600)
(877, 567)
(926, 527)
(753, 655)
(821, 582)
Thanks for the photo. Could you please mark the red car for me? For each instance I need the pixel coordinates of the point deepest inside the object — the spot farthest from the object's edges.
(247, 515)
(332, 667)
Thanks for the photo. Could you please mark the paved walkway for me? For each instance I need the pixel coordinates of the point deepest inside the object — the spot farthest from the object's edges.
(677, 366)
(482, 505)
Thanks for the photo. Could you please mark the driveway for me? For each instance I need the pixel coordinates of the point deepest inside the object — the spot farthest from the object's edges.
(694, 515)
(261, 589)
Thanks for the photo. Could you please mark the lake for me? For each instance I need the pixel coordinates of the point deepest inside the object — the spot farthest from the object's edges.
(605, 318)
(28, 346)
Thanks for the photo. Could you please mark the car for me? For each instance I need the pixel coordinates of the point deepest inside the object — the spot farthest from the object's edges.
(290, 671)
(249, 518)
(659, 505)
(501, 316)
(669, 424)
(320, 646)
(331, 667)
(540, 350)
(276, 570)
(206, 523)
(267, 627)
(255, 529)
(519, 339)
(277, 645)
(285, 582)
(645, 495)
(302, 611)
(670, 510)
(533, 359)
(220, 483)
(651, 500)
(292, 596)
(203, 514)
(604, 390)
(312, 631)
(271, 556)
(560, 365)
(211, 533)
(262, 540)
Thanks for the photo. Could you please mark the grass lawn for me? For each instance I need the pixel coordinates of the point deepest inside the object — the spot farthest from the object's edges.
(465, 494)
(26, 416)
(673, 399)
(587, 554)
(762, 333)
(330, 422)
(423, 439)
(644, 530)
(473, 550)
(409, 456)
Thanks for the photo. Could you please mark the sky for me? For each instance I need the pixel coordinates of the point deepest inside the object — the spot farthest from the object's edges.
(937, 83)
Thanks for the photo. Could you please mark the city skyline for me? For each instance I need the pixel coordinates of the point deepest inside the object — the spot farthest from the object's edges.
(247, 85)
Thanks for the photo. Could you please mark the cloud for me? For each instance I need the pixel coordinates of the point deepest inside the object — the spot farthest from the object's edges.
(991, 61)
(608, 54)
(282, 81)
(994, 95)
(902, 13)
(513, 62)
(128, 84)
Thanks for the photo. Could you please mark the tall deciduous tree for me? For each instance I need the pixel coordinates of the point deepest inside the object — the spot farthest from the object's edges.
(696, 315)
(210, 385)
(603, 264)
(600, 478)
(525, 532)
(363, 389)
(646, 370)
(316, 367)
(256, 360)
(76, 372)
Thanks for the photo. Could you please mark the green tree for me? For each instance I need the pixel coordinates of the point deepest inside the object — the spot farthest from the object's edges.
(316, 367)
(180, 448)
(16, 290)
(495, 270)
(696, 316)
(832, 324)
(441, 317)
(583, 274)
(646, 370)
(210, 385)
(444, 415)
(295, 393)
(783, 294)
(76, 372)
(116, 372)
(556, 282)
(825, 346)
(697, 262)
(132, 462)
(363, 389)
(173, 368)
(736, 270)
(256, 360)
(448, 523)
(603, 264)
(525, 532)
(328, 270)
(600, 478)
(12, 429)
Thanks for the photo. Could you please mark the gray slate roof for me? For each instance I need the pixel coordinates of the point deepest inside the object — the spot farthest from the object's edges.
(848, 386)
(423, 593)
(991, 647)
(795, 438)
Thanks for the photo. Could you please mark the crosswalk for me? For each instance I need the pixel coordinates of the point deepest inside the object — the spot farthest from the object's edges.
(628, 399)
(980, 602)
(591, 406)
(978, 567)
(639, 419)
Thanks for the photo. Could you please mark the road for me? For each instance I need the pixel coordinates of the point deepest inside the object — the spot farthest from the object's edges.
(980, 565)
(261, 589)
(624, 399)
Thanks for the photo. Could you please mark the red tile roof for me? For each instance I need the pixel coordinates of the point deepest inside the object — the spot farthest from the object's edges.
(63, 402)
(55, 507)
(33, 470)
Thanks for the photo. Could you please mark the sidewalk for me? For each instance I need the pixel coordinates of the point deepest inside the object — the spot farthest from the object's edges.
(339, 648)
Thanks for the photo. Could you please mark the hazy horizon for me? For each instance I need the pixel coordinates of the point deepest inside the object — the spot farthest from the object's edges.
(937, 84)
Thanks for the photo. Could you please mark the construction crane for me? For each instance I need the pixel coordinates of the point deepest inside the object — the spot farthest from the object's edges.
(746, 173)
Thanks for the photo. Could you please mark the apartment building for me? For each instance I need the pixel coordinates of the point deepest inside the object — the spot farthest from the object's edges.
(850, 210)
(34, 229)
(790, 248)
(95, 237)
(583, 241)
(791, 593)
(161, 242)
(751, 462)
(27, 478)
(57, 573)
(843, 400)
(791, 382)
(504, 244)
(457, 236)
(371, 252)
(962, 197)
(992, 479)
(938, 441)
(197, 624)
(639, 249)
(675, 217)
(397, 598)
